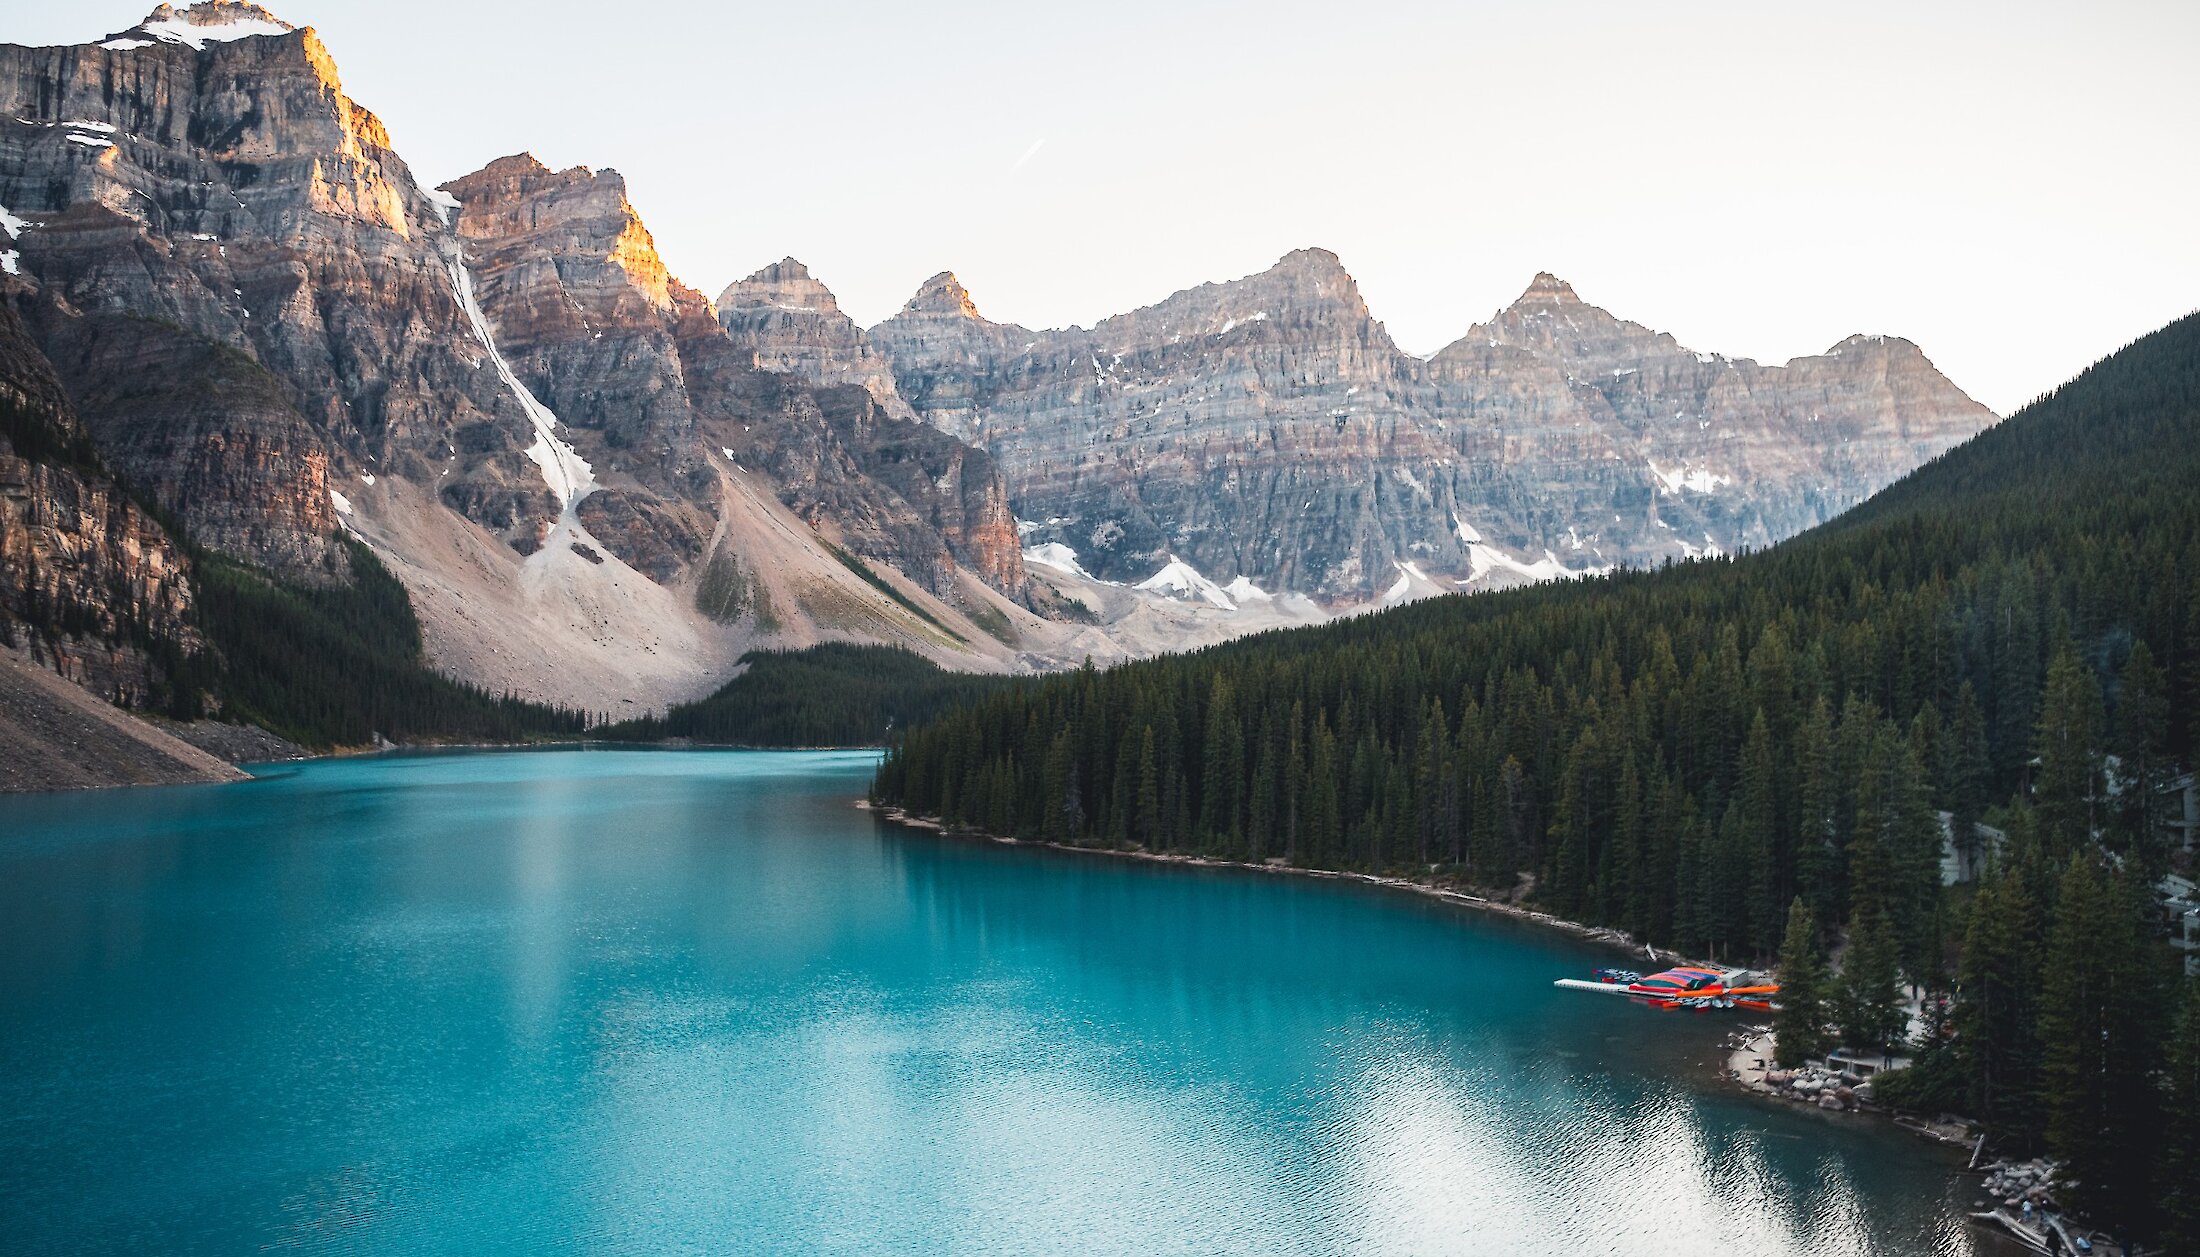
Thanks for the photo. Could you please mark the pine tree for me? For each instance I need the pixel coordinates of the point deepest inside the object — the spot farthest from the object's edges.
(1123, 795)
(1758, 821)
(1867, 999)
(1431, 776)
(1912, 838)
(2098, 1030)
(1691, 917)
(2143, 763)
(1065, 811)
(1816, 858)
(1996, 1046)
(1147, 825)
(2068, 744)
(2178, 1172)
(1572, 826)
(1799, 1026)
(1627, 885)
(1966, 775)
(1221, 766)
(1261, 817)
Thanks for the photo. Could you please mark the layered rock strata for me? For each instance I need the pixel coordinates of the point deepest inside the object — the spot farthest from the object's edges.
(1269, 429)
(795, 326)
(644, 373)
(273, 329)
(91, 586)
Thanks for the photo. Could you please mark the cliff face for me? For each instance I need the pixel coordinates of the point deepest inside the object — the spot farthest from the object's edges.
(88, 581)
(1261, 428)
(266, 322)
(1268, 428)
(793, 325)
(204, 175)
(1692, 451)
(652, 388)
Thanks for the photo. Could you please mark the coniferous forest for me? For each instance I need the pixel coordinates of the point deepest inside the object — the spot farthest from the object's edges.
(337, 664)
(834, 694)
(1747, 759)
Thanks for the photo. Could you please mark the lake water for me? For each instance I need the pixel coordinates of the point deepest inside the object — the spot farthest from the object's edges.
(649, 1002)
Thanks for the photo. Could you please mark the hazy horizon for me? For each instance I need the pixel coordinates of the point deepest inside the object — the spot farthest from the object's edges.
(2003, 184)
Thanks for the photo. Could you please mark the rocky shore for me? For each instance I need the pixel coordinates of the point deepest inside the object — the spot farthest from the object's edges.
(55, 735)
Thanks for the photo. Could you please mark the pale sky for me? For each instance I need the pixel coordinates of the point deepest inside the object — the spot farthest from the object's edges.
(2015, 186)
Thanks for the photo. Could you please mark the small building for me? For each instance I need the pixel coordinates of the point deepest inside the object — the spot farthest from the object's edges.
(1863, 1064)
(2181, 901)
(1966, 862)
(2182, 816)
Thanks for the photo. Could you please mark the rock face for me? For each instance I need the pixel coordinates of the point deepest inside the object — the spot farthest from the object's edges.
(267, 323)
(1269, 429)
(1693, 451)
(90, 585)
(203, 177)
(598, 487)
(651, 388)
(793, 325)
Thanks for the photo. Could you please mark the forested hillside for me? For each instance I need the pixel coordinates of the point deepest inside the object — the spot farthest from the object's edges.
(337, 664)
(833, 694)
(1708, 753)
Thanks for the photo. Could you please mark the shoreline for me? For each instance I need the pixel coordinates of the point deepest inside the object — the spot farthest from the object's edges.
(1605, 935)
(1745, 1051)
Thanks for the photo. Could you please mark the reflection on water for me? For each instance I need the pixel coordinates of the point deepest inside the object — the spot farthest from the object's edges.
(639, 1002)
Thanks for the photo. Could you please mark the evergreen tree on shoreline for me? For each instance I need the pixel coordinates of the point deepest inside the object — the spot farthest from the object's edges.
(1867, 1000)
(1997, 995)
(2098, 1028)
(1799, 1026)
(2179, 1173)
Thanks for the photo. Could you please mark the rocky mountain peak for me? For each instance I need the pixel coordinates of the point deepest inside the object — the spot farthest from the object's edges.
(784, 285)
(943, 294)
(1863, 343)
(577, 216)
(1315, 263)
(518, 165)
(1551, 320)
(1548, 289)
(197, 25)
(1310, 273)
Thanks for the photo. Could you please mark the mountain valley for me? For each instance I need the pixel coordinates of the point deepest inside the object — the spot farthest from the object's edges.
(601, 489)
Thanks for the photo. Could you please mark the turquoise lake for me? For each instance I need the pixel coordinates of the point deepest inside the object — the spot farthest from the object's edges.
(656, 1002)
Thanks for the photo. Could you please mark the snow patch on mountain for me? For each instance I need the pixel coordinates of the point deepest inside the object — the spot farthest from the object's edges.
(1179, 579)
(219, 22)
(1243, 590)
(1693, 479)
(445, 204)
(1486, 562)
(563, 469)
(1057, 556)
(1409, 574)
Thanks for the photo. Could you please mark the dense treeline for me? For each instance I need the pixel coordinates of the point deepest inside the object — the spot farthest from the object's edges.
(836, 694)
(1710, 754)
(336, 664)
(322, 665)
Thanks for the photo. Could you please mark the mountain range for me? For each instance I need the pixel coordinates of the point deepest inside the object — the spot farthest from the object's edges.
(1268, 430)
(235, 320)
